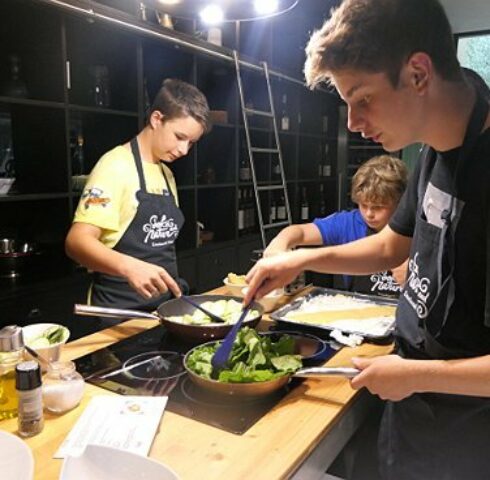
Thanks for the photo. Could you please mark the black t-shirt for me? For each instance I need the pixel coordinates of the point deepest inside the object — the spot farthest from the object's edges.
(464, 330)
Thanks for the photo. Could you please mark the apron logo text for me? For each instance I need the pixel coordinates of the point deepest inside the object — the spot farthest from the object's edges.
(419, 286)
(384, 282)
(157, 229)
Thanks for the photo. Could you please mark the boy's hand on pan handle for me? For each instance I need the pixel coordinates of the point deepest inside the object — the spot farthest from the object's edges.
(149, 280)
(391, 377)
(270, 273)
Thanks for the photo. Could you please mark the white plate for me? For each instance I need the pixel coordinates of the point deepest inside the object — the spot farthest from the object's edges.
(101, 463)
(16, 460)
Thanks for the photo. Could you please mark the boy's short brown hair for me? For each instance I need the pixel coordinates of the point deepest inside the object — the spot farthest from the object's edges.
(378, 36)
(380, 180)
(177, 99)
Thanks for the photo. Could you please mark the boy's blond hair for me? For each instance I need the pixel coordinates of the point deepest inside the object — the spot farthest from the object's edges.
(380, 180)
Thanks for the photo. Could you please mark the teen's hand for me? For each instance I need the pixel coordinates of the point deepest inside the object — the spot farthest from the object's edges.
(271, 273)
(150, 280)
(391, 377)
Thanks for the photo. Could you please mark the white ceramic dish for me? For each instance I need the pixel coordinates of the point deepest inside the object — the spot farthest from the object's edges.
(16, 460)
(271, 301)
(51, 353)
(235, 289)
(102, 463)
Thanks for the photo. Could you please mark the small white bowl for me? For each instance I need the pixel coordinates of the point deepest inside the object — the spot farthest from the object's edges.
(271, 301)
(100, 463)
(34, 331)
(234, 288)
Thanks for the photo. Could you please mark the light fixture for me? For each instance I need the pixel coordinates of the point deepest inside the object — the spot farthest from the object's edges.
(233, 10)
(265, 7)
(212, 14)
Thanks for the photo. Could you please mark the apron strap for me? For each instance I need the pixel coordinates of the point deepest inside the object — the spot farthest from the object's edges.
(167, 182)
(487, 295)
(139, 165)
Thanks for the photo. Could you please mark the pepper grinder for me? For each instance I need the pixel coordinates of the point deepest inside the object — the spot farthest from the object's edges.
(28, 386)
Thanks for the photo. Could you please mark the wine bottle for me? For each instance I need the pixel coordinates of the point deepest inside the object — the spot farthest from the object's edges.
(14, 86)
(305, 207)
(326, 170)
(273, 209)
(244, 171)
(284, 114)
(241, 212)
(281, 208)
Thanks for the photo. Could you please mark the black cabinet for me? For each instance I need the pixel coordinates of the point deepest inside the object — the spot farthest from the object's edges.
(73, 85)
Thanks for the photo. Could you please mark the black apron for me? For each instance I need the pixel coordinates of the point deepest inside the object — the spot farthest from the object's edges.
(382, 283)
(435, 436)
(149, 237)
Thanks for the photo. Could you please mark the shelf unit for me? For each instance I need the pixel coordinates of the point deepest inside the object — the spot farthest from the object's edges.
(63, 50)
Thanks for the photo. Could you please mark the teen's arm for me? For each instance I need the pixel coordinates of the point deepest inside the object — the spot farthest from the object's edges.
(394, 378)
(293, 236)
(374, 253)
(83, 245)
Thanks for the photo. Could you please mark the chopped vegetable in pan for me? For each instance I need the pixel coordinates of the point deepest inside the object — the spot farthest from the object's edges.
(228, 310)
(253, 358)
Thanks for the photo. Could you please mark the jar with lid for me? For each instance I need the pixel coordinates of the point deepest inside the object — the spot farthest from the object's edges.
(63, 387)
(11, 354)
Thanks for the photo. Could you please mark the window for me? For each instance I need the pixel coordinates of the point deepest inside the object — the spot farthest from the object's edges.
(474, 53)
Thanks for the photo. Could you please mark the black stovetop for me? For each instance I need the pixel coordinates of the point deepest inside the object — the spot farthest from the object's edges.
(185, 398)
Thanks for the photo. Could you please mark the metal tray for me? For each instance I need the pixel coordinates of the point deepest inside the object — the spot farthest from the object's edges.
(324, 330)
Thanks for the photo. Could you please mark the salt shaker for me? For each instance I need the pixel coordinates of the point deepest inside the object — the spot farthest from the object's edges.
(28, 386)
(62, 387)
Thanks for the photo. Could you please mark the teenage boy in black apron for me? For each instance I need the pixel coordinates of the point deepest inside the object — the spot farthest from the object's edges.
(376, 188)
(128, 218)
(394, 63)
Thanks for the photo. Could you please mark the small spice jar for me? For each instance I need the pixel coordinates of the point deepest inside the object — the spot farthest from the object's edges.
(62, 387)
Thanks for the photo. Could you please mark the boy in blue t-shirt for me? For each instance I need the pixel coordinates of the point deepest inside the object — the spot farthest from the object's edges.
(376, 188)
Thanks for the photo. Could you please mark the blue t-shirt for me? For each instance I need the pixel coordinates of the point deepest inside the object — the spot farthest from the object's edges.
(342, 227)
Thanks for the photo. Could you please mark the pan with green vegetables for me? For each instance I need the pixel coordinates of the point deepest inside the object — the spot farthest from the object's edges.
(258, 365)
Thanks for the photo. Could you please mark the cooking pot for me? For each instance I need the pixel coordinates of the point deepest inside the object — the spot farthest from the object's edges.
(16, 257)
(260, 389)
(177, 307)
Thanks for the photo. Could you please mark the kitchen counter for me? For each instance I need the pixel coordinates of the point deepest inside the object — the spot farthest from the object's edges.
(298, 438)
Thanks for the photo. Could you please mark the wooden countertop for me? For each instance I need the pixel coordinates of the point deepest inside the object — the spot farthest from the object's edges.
(273, 448)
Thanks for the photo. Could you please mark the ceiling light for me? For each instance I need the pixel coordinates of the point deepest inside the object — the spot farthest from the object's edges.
(265, 7)
(212, 14)
(169, 2)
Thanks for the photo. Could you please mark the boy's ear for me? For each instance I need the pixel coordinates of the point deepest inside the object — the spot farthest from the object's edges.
(419, 71)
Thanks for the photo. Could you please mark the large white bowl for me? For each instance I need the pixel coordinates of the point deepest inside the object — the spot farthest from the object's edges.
(16, 460)
(103, 463)
(51, 353)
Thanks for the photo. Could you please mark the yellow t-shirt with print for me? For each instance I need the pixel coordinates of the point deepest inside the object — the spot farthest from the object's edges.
(109, 198)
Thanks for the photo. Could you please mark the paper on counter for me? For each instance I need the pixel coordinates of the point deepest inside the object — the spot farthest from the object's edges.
(124, 422)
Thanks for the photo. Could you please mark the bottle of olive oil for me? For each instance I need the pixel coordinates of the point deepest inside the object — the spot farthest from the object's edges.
(11, 353)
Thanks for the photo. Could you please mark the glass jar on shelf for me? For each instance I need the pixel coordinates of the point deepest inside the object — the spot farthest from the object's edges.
(63, 387)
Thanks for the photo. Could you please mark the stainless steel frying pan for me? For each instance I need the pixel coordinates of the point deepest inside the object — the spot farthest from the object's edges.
(177, 307)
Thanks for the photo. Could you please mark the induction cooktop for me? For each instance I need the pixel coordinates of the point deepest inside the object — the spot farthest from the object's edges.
(150, 363)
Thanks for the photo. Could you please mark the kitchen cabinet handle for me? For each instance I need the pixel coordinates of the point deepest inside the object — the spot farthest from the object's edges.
(68, 75)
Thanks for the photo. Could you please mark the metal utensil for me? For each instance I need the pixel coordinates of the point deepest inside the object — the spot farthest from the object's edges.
(36, 355)
(221, 356)
(211, 315)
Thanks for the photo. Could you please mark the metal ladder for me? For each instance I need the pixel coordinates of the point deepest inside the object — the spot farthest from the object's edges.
(246, 112)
